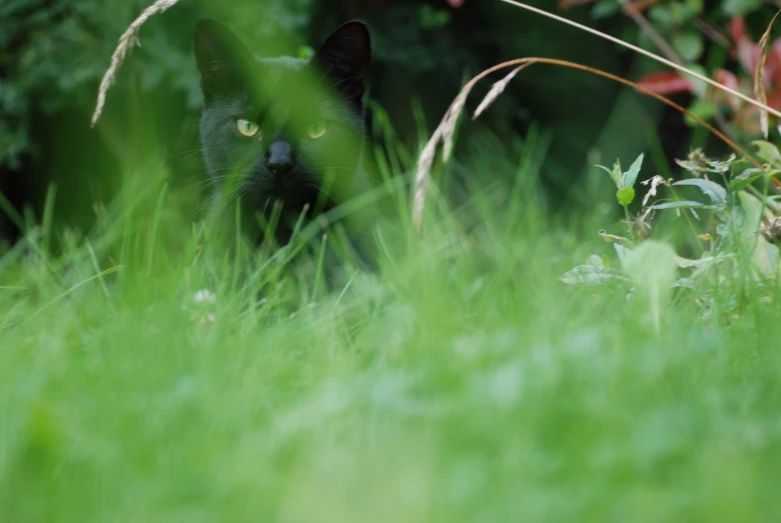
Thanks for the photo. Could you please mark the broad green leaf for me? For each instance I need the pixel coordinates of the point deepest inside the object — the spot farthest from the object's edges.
(689, 165)
(745, 179)
(764, 255)
(651, 266)
(661, 15)
(722, 166)
(591, 275)
(707, 165)
(615, 173)
(625, 195)
(685, 263)
(699, 87)
(712, 190)
(605, 8)
(595, 260)
(695, 5)
(604, 169)
(630, 176)
(686, 283)
(703, 109)
(621, 251)
(689, 44)
(752, 207)
(740, 7)
(679, 205)
(768, 152)
(683, 12)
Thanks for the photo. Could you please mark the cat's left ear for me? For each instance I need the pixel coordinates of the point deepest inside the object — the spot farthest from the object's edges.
(345, 57)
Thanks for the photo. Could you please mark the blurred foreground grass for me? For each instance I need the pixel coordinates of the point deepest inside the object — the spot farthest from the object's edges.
(139, 381)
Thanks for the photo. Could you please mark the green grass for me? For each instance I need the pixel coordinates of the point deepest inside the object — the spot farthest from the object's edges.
(463, 382)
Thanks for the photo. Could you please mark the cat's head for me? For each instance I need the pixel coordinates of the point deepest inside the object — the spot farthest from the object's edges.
(282, 129)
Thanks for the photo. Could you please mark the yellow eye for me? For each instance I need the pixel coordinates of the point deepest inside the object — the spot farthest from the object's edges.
(247, 128)
(317, 130)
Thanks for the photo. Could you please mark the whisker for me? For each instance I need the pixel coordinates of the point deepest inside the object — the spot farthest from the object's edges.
(185, 153)
(340, 82)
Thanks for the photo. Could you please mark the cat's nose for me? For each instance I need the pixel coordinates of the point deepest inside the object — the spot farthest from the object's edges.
(280, 158)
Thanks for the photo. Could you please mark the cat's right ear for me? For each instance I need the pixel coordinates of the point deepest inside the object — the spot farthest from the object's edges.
(222, 58)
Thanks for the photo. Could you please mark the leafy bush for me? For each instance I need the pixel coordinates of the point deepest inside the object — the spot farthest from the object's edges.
(735, 231)
(53, 55)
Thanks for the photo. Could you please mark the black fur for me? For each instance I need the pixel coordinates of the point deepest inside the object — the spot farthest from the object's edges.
(286, 97)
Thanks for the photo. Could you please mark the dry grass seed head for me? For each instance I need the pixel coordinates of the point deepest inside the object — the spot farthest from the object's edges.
(126, 42)
(759, 76)
(426, 159)
(451, 117)
(497, 89)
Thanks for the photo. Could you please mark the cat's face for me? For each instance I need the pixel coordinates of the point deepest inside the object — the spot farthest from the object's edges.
(281, 129)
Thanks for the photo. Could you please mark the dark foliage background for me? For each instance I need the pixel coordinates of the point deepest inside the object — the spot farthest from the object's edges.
(54, 52)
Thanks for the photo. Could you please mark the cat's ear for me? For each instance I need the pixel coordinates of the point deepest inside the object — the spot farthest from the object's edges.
(345, 57)
(222, 58)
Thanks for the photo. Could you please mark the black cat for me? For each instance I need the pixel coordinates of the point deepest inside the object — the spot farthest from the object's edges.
(283, 138)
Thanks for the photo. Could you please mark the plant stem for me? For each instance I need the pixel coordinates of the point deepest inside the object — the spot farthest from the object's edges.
(630, 230)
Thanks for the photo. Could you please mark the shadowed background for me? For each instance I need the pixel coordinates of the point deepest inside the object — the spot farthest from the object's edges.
(53, 54)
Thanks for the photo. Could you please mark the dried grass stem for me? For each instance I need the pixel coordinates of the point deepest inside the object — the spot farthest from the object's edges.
(126, 42)
(446, 128)
(653, 56)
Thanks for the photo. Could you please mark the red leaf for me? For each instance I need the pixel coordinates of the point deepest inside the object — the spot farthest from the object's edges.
(747, 118)
(774, 99)
(665, 82)
(748, 51)
(737, 29)
(727, 79)
(773, 70)
(455, 3)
